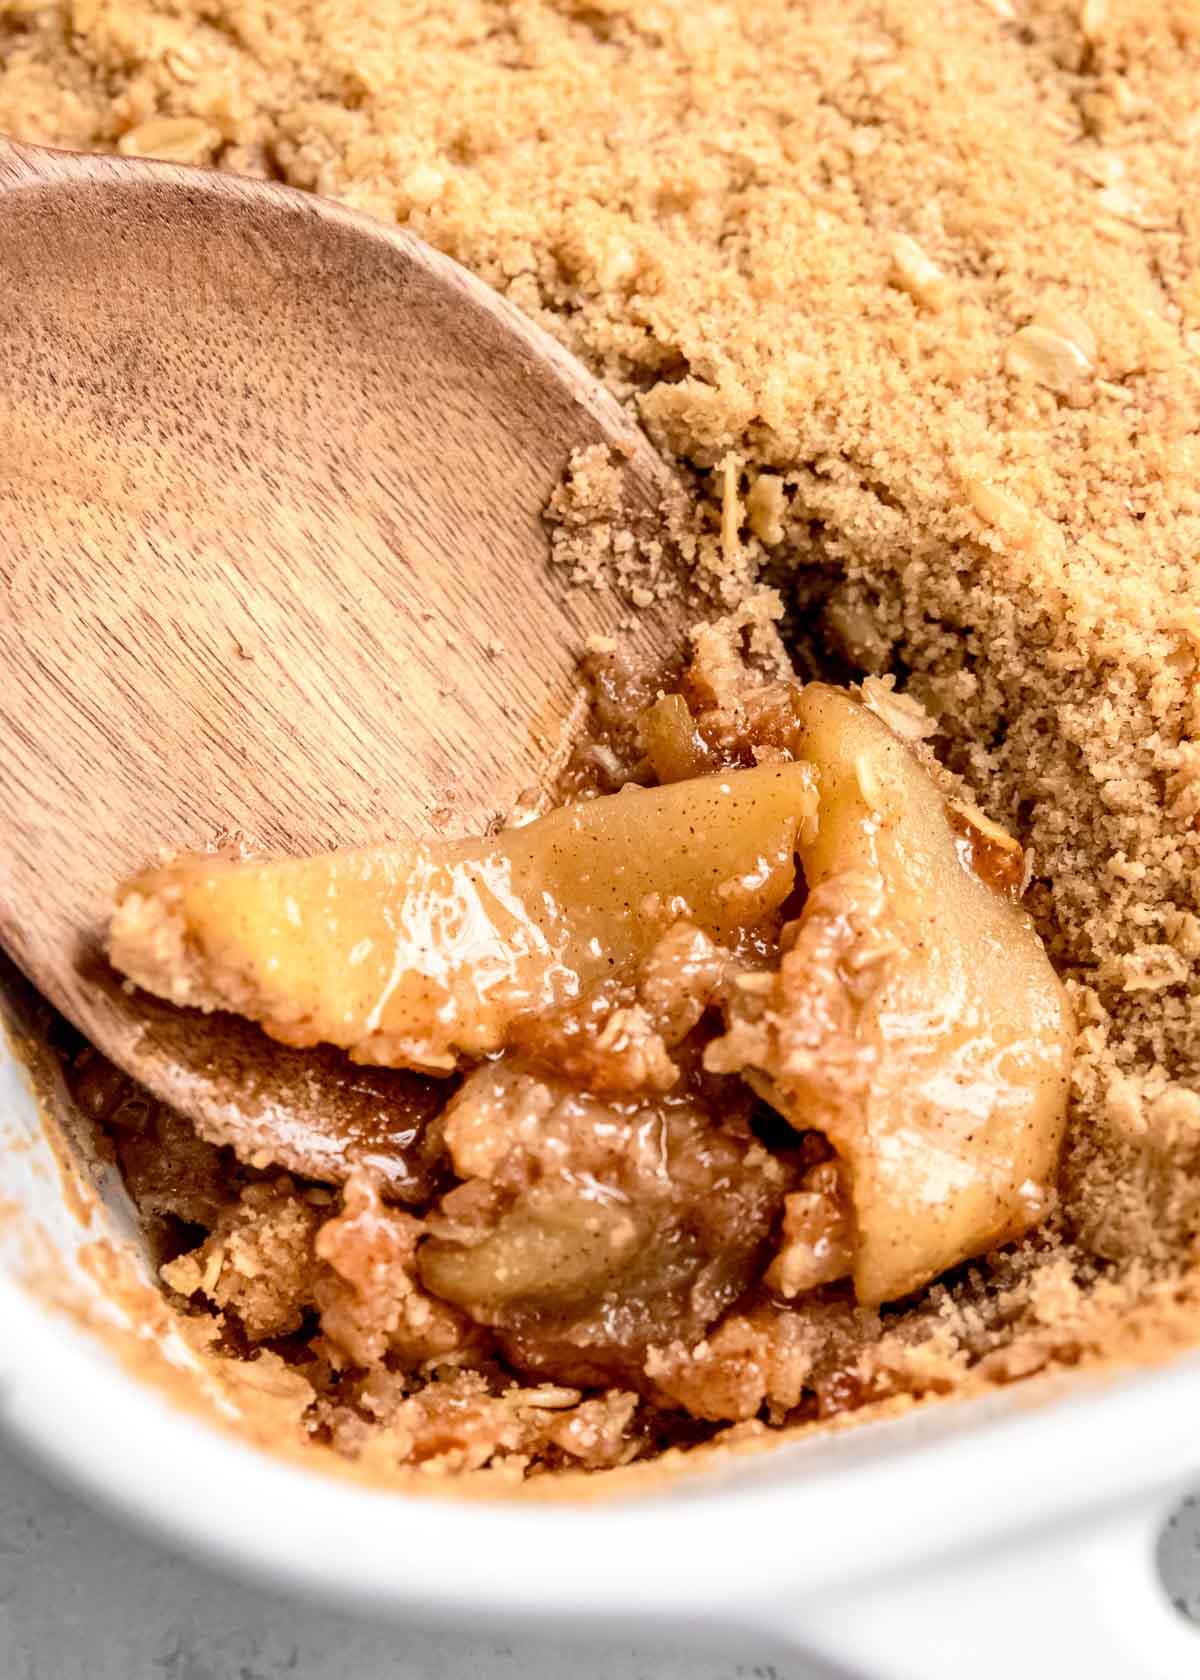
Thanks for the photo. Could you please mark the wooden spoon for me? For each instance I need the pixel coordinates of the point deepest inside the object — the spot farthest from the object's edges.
(272, 478)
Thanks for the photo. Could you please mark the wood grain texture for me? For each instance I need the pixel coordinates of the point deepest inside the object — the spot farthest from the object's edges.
(272, 478)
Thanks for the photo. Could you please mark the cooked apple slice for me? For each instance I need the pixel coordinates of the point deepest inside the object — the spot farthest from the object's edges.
(414, 955)
(915, 1018)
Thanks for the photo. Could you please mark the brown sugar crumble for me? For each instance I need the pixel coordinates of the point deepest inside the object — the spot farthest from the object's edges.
(911, 292)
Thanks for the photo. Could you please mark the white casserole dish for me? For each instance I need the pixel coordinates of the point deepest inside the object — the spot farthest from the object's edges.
(971, 1539)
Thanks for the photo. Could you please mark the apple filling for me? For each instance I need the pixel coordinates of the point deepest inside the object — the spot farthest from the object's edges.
(773, 1027)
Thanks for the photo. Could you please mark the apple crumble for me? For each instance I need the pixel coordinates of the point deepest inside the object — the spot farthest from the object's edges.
(910, 292)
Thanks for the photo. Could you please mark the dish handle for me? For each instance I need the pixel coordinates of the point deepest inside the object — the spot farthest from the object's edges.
(1080, 1600)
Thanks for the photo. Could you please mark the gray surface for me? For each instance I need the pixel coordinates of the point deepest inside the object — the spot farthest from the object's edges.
(1179, 1558)
(83, 1599)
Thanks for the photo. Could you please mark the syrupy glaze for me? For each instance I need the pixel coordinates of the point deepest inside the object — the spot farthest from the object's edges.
(588, 1229)
(419, 956)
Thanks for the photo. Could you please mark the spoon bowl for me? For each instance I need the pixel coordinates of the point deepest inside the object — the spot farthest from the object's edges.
(272, 485)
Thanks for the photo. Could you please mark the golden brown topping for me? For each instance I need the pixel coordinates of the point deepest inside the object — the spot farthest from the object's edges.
(258, 1262)
(918, 274)
(768, 1355)
(177, 139)
(1049, 359)
(370, 1301)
